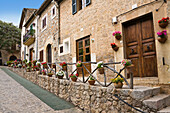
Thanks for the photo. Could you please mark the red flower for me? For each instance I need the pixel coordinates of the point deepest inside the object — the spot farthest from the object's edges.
(159, 21)
(77, 75)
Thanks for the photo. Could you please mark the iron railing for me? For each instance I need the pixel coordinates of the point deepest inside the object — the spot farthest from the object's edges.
(84, 80)
(29, 34)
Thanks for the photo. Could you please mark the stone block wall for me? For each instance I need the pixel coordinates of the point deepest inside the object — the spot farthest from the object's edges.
(91, 99)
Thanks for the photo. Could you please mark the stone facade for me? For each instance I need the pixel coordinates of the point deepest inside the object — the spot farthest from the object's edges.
(96, 99)
(95, 21)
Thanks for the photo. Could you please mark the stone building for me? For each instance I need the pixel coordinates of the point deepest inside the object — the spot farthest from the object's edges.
(72, 30)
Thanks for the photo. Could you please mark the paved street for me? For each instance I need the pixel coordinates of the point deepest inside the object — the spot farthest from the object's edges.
(14, 98)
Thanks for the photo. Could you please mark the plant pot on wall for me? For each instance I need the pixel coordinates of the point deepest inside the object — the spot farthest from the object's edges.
(115, 48)
(163, 24)
(91, 82)
(162, 40)
(101, 70)
(118, 37)
(118, 85)
(74, 79)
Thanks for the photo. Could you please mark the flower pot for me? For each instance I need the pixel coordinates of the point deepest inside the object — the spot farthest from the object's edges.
(129, 68)
(45, 66)
(163, 24)
(60, 77)
(64, 68)
(115, 48)
(37, 69)
(91, 82)
(118, 37)
(38, 65)
(118, 85)
(79, 70)
(74, 79)
(43, 73)
(162, 40)
(53, 66)
(28, 70)
(101, 70)
(50, 74)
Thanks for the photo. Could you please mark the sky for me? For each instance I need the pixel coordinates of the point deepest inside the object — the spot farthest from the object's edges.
(11, 10)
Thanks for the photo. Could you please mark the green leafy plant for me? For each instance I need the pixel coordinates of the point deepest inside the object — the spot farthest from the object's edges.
(117, 79)
(126, 62)
(9, 62)
(79, 64)
(60, 73)
(100, 64)
(91, 78)
(73, 75)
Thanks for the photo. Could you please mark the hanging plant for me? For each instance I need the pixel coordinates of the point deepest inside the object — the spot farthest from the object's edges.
(162, 36)
(163, 22)
(117, 35)
(114, 47)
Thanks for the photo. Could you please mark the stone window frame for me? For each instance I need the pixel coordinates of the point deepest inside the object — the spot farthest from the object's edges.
(45, 16)
(65, 50)
(53, 15)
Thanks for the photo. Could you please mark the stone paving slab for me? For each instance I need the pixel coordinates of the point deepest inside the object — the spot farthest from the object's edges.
(14, 98)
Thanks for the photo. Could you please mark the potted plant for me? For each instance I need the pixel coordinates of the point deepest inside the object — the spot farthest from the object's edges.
(28, 69)
(43, 72)
(37, 68)
(24, 61)
(100, 67)
(73, 77)
(60, 74)
(118, 81)
(64, 66)
(53, 65)
(163, 22)
(117, 35)
(16, 62)
(38, 64)
(29, 63)
(79, 67)
(50, 74)
(34, 62)
(92, 80)
(9, 63)
(162, 36)
(19, 65)
(44, 64)
(128, 64)
(114, 46)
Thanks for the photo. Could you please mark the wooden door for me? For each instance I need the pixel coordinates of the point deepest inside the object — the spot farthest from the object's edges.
(49, 54)
(83, 53)
(140, 46)
(31, 54)
(41, 56)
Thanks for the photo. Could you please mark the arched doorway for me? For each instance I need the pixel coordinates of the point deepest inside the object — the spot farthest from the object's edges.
(12, 58)
(49, 53)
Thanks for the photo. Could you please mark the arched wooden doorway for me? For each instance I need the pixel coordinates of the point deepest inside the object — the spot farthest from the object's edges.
(12, 58)
(49, 54)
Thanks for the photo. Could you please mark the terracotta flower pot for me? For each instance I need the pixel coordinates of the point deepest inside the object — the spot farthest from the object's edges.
(53, 66)
(118, 37)
(118, 85)
(115, 48)
(60, 77)
(101, 70)
(163, 24)
(43, 73)
(37, 69)
(162, 40)
(45, 66)
(91, 82)
(64, 68)
(50, 74)
(28, 70)
(74, 79)
(79, 70)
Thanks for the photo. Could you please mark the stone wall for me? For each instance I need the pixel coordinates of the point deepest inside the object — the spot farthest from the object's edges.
(94, 99)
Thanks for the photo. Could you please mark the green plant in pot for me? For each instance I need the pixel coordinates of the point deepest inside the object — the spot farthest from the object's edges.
(91, 80)
(100, 67)
(9, 63)
(28, 69)
(74, 77)
(60, 74)
(43, 72)
(19, 65)
(118, 81)
(64, 66)
(50, 74)
(79, 67)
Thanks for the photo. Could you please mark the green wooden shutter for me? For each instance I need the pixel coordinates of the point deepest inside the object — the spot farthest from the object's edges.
(88, 2)
(74, 6)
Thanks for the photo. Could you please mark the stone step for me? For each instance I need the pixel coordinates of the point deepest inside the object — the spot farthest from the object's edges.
(165, 110)
(143, 92)
(158, 102)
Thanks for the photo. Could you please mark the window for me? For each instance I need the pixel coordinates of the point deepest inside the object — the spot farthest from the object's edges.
(41, 55)
(44, 22)
(65, 47)
(77, 5)
(53, 12)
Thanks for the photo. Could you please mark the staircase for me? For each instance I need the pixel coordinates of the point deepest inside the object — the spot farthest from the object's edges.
(151, 97)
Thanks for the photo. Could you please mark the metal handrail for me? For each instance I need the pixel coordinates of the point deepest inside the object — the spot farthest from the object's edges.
(90, 73)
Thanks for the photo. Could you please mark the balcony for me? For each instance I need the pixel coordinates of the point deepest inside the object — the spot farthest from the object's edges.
(29, 37)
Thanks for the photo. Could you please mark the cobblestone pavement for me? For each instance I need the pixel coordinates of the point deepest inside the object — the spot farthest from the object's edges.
(14, 98)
